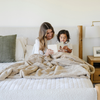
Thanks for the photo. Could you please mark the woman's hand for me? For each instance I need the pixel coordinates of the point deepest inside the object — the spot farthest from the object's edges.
(49, 51)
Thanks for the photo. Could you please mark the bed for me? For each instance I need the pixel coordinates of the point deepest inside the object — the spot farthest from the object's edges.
(47, 89)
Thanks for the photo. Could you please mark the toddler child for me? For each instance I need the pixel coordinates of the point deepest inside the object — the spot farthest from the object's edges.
(63, 36)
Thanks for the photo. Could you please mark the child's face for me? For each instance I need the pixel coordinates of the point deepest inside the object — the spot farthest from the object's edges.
(63, 38)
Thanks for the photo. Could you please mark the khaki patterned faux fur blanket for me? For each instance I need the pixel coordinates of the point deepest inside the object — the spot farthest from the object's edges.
(54, 66)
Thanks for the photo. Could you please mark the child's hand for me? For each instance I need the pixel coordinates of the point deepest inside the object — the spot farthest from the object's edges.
(64, 50)
(65, 47)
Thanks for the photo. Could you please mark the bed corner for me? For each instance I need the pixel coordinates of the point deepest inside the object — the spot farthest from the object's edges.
(97, 86)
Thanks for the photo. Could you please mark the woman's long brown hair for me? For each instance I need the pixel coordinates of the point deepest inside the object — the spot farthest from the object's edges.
(42, 35)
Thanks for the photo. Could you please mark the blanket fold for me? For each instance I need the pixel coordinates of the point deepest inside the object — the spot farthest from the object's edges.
(54, 66)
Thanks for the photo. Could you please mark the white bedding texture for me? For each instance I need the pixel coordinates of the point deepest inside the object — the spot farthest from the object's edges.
(59, 83)
(48, 94)
(56, 83)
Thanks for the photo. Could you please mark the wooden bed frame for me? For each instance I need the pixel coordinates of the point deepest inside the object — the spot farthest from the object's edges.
(80, 41)
(97, 86)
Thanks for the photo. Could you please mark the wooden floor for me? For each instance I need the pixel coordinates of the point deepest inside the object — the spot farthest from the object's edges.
(95, 84)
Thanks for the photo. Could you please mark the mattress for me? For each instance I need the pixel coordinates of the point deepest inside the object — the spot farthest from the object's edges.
(46, 89)
(60, 83)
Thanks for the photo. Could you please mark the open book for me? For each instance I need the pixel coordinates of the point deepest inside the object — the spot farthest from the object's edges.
(56, 47)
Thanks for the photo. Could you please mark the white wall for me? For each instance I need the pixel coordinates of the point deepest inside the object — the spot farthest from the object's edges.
(31, 13)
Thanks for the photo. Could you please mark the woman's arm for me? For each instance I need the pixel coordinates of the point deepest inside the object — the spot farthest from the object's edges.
(36, 48)
(37, 51)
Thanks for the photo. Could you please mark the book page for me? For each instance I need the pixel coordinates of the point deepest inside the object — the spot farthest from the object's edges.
(56, 47)
(60, 44)
(53, 47)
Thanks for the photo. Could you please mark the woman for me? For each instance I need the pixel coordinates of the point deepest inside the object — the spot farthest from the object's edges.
(46, 36)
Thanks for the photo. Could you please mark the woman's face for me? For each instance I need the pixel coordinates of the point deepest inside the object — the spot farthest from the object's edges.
(49, 35)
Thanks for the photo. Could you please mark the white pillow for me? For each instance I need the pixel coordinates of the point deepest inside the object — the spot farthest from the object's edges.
(20, 48)
(28, 53)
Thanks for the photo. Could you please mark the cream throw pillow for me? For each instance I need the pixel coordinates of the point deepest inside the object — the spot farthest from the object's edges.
(28, 53)
(20, 48)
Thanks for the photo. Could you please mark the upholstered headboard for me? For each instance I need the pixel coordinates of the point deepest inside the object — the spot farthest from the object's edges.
(32, 33)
